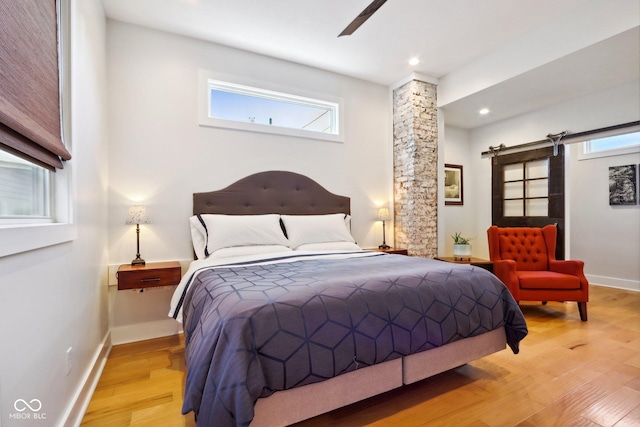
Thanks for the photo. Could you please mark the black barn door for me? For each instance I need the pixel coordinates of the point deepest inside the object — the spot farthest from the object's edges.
(528, 191)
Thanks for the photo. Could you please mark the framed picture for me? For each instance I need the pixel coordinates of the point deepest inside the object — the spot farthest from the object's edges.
(453, 194)
(623, 185)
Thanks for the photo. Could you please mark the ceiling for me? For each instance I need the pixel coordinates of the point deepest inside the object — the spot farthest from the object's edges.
(445, 35)
(606, 64)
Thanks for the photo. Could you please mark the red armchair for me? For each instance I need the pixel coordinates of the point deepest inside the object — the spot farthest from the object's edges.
(524, 259)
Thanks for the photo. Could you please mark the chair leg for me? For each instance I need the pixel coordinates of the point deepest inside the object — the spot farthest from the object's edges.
(582, 308)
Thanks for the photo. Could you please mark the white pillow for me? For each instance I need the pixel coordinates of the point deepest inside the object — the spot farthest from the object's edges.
(249, 250)
(198, 237)
(329, 246)
(303, 229)
(225, 231)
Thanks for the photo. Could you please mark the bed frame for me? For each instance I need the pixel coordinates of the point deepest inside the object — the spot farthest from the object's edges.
(294, 194)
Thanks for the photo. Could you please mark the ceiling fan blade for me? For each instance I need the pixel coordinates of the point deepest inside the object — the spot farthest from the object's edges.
(360, 19)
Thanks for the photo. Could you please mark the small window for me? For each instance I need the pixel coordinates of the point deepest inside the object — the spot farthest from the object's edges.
(611, 146)
(25, 192)
(526, 189)
(243, 107)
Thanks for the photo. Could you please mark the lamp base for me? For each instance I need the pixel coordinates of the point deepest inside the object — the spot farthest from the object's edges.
(138, 261)
(384, 239)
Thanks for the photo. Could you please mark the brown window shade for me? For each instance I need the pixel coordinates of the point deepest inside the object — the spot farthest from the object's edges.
(29, 82)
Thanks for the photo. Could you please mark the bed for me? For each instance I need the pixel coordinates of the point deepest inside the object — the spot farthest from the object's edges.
(286, 318)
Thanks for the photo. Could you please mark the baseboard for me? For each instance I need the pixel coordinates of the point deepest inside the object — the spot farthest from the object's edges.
(612, 282)
(78, 406)
(145, 331)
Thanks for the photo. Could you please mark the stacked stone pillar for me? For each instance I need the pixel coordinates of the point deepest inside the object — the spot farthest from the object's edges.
(415, 168)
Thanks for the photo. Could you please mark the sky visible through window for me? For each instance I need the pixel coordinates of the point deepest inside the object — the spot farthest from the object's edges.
(614, 142)
(255, 109)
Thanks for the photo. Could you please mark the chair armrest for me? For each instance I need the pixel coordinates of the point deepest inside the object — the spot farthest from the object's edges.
(505, 270)
(572, 267)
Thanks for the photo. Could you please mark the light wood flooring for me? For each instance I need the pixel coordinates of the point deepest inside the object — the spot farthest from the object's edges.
(568, 373)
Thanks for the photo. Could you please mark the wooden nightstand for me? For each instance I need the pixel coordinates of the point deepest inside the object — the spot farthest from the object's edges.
(391, 251)
(477, 262)
(150, 275)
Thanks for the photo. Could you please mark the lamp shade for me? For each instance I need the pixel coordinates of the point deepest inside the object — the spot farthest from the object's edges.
(383, 214)
(137, 215)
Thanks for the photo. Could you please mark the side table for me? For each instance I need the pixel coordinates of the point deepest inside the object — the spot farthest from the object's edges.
(477, 262)
(149, 275)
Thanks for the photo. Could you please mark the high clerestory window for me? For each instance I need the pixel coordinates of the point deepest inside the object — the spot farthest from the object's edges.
(613, 145)
(251, 108)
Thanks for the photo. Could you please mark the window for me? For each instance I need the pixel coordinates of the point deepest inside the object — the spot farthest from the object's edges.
(611, 146)
(35, 192)
(242, 107)
(31, 129)
(30, 98)
(24, 190)
(526, 188)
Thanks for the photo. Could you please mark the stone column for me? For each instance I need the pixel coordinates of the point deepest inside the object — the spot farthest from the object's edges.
(415, 168)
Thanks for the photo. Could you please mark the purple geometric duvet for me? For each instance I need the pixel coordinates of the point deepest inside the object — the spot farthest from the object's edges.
(251, 330)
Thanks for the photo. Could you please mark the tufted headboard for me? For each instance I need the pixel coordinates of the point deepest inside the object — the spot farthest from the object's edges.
(268, 192)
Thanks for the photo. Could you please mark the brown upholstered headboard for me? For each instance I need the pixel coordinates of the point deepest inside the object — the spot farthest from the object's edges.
(268, 192)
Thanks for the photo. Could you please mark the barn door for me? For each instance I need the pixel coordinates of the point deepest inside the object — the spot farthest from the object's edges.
(528, 191)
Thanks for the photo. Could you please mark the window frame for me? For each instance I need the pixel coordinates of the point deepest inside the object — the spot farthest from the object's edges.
(30, 235)
(584, 152)
(208, 80)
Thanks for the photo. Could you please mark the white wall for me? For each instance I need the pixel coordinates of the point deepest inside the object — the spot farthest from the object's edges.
(610, 107)
(606, 238)
(159, 156)
(55, 298)
(459, 218)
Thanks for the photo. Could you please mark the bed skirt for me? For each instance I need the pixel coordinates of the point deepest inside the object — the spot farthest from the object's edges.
(291, 406)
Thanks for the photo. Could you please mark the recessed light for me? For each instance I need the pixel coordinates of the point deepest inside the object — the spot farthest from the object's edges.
(414, 61)
(484, 111)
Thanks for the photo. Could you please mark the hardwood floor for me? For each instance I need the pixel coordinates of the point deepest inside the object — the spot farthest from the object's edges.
(568, 373)
(141, 385)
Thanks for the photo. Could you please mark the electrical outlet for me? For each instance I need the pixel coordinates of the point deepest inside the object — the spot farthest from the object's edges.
(69, 359)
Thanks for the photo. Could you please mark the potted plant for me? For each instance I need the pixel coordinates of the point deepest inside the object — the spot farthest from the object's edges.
(461, 247)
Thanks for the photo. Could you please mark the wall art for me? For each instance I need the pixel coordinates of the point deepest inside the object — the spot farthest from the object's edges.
(453, 185)
(623, 185)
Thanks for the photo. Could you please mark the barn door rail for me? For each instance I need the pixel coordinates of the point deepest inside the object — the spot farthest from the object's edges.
(560, 138)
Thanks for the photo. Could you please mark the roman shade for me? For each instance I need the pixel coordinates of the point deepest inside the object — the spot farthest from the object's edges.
(30, 124)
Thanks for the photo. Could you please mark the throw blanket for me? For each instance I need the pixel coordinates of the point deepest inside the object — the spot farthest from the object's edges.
(254, 328)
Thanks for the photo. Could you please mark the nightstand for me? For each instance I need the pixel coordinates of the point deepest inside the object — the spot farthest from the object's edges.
(397, 251)
(477, 262)
(150, 275)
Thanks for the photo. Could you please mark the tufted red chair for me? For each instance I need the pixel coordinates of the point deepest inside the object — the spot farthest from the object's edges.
(524, 259)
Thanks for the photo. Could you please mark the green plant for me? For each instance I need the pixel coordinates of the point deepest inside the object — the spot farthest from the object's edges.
(459, 240)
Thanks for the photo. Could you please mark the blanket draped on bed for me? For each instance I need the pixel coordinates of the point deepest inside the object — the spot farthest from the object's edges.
(251, 330)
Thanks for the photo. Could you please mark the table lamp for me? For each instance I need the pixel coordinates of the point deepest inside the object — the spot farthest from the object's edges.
(137, 216)
(383, 215)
